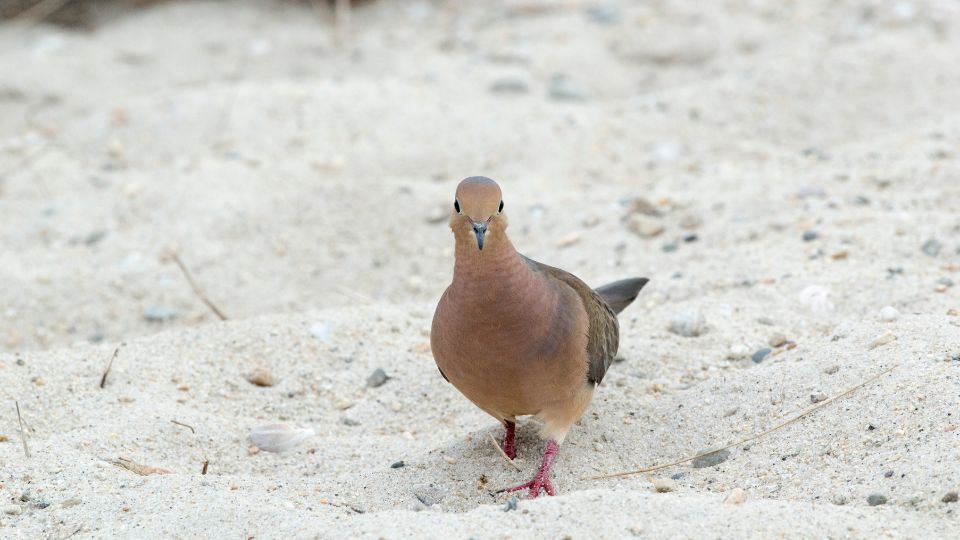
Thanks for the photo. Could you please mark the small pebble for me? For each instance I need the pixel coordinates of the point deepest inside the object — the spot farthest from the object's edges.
(669, 247)
(26, 496)
(932, 247)
(397, 464)
(511, 504)
(568, 240)
(562, 88)
(664, 485)
(889, 314)
(777, 340)
(888, 474)
(690, 222)
(737, 496)
(810, 236)
(644, 226)
(347, 421)
(606, 14)
(278, 437)
(839, 499)
(689, 323)
(738, 352)
(261, 377)
(711, 459)
(950, 497)
(818, 397)
(639, 205)
(159, 313)
(690, 238)
(13, 510)
(377, 378)
(832, 369)
(882, 340)
(320, 331)
(876, 499)
(761, 355)
(508, 86)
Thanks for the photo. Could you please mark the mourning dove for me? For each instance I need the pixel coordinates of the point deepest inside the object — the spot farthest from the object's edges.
(518, 337)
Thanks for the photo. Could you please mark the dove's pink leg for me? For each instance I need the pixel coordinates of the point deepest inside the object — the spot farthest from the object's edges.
(542, 479)
(510, 439)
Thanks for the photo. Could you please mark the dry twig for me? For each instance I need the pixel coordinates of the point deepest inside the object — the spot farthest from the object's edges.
(23, 434)
(196, 288)
(133, 466)
(502, 453)
(764, 433)
(103, 380)
(188, 426)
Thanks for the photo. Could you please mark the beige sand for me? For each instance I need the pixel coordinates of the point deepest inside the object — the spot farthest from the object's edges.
(303, 184)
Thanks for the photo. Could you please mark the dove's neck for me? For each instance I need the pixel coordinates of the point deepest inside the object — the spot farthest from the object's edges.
(494, 271)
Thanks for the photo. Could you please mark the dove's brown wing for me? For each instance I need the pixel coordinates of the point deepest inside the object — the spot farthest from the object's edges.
(603, 334)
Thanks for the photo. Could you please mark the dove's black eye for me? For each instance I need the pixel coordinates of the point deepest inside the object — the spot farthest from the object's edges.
(456, 205)
(501, 207)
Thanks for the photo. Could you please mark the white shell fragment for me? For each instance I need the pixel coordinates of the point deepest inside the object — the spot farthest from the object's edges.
(278, 437)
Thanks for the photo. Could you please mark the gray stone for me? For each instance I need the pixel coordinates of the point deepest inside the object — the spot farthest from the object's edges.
(932, 247)
(511, 505)
(506, 86)
(689, 323)
(562, 88)
(761, 355)
(606, 14)
(711, 459)
(950, 497)
(876, 499)
(377, 378)
(160, 313)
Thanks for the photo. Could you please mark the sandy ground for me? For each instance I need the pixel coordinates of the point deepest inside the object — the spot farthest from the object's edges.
(803, 161)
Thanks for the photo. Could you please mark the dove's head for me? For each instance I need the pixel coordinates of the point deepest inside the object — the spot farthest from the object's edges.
(477, 209)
